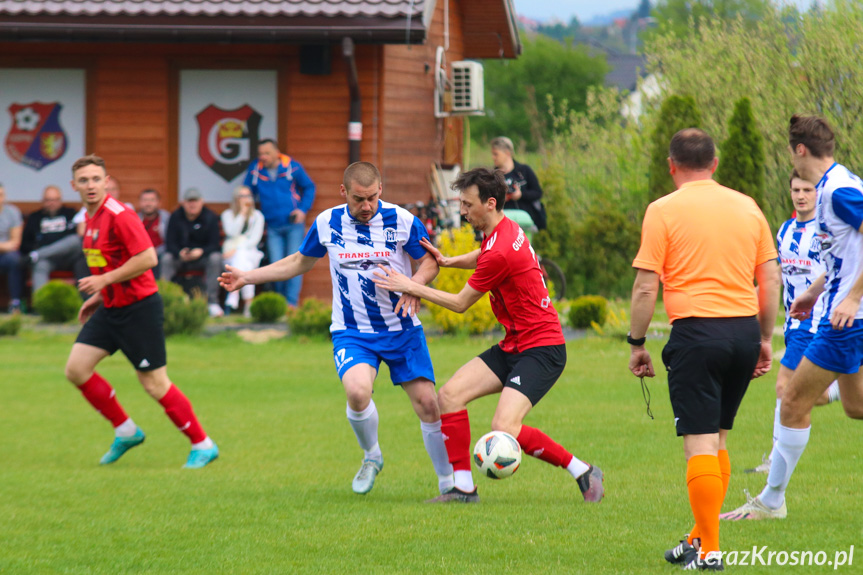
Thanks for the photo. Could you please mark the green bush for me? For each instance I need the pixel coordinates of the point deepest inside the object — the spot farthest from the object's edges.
(312, 317)
(11, 326)
(268, 307)
(183, 315)
(586, 310)
(57, 302)
(609, 240)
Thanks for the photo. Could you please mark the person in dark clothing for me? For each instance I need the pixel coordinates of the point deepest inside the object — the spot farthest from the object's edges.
(50, 240)
(192, 243)
(525, 193)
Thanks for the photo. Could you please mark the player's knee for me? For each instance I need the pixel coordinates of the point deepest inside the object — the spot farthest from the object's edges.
(853, 411)
(76, 373)
(448, 400)
(427, 407)
(358, 397)
(505, 424)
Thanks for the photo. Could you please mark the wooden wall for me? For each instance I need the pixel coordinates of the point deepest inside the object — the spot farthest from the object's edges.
(412, 138)
(132, 112)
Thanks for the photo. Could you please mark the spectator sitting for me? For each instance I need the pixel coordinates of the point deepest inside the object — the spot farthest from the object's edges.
(155, 222)
(51, 240)
(10, 240)
(525, 192)
(243, 226)
(192, 243)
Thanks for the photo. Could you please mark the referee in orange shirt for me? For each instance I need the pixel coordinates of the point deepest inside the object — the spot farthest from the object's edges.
(706, 243)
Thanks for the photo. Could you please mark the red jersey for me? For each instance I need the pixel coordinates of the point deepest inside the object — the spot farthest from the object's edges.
(507, 267)
(115, 234)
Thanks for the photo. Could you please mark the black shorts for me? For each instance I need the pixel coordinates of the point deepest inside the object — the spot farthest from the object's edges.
(135, 329)
(710, 362)
(532, 372)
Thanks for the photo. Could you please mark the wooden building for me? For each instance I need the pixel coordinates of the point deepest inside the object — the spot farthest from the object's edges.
(146, 66)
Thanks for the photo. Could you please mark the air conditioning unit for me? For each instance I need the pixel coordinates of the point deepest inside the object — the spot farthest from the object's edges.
(467, 88)
(458, 88)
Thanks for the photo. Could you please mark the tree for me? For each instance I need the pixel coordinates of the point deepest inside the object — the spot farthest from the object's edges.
(741, 165)
(674, 16)
(643, 10)
(677, 113)
(513, 87)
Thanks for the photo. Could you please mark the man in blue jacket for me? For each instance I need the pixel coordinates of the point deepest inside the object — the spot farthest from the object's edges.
(285, 193)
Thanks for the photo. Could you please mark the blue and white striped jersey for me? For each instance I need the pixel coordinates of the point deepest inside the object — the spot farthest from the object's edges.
(355, 250)
(840, 214)
(801, 265)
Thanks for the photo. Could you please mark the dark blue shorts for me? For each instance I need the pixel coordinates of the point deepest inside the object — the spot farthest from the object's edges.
(405, 352)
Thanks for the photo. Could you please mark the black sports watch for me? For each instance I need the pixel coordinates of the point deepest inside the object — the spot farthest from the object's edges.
(631, 341)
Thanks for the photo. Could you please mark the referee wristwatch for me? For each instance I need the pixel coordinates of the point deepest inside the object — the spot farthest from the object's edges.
(636, 342)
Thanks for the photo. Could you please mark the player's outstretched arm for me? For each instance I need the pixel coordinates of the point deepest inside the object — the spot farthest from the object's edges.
(134, 266)
(392, 280)
(465, 261)
(294, 265)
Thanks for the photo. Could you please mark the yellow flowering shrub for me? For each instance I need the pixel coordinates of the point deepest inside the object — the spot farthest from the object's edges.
(479, 317)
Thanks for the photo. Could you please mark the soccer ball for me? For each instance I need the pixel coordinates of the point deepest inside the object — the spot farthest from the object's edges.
(497, 454)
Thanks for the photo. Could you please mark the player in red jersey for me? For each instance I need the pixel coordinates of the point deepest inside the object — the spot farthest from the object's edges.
(124, 312)
(531, 357)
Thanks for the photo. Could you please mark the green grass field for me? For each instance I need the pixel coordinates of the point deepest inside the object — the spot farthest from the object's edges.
(279, 498)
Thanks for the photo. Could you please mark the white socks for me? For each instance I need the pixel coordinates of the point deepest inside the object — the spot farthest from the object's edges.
(433, 440)
(790, 444)
(833, 392)
(207, 443)
(463, 480)
(365, 426)
(577, 467)
(776, 423)
(126, 429)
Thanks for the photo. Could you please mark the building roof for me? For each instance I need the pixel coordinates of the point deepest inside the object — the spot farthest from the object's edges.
(308, 8)
(384, 21)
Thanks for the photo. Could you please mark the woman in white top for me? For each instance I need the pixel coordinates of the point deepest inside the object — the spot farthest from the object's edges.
(243, 226)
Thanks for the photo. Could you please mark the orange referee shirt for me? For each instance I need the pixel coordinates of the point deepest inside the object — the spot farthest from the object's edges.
(705, 240)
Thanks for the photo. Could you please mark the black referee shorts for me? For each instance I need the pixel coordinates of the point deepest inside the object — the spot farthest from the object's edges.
(135, 329)
(532, 372)
(710, 363)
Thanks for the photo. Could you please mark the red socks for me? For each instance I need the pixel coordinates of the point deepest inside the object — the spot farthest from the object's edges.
(456, 435)
(102, 397)
(534, 442)
(179, 410)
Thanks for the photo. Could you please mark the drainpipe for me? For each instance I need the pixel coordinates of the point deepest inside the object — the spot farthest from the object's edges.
(355, 124)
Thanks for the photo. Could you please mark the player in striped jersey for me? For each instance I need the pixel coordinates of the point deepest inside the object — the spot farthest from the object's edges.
(836, 350)
(801, 266)
(366, 329)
